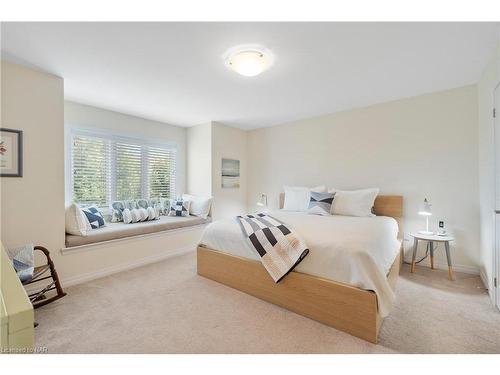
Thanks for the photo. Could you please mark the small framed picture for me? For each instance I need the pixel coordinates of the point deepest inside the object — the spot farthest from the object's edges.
(11, 153)
(230, 173)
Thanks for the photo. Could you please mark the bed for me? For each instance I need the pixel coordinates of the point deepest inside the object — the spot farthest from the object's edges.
(347, 281)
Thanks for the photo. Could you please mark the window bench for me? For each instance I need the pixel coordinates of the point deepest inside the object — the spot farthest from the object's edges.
(113, 231)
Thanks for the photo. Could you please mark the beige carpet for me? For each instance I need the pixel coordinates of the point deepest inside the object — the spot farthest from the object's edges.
(166, 308)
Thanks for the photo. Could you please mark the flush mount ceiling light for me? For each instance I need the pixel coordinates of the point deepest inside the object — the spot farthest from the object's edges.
(248, 60)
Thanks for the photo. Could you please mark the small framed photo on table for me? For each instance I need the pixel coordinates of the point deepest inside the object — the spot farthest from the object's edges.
(11, 153)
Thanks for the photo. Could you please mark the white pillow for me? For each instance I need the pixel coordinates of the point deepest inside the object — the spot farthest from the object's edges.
(153, 213)
(297, 197)
(136, 215)
(319, 189)
(127, 216)
(200, 206)
(354, 202)
(76, 221)
(142, 214)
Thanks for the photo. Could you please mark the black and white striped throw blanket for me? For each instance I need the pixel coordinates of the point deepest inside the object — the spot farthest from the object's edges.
(279, 247)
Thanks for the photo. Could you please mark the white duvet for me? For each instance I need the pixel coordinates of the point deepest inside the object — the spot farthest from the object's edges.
(358, 251)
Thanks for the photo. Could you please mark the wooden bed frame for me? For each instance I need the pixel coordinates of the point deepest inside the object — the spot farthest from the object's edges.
(342, 306)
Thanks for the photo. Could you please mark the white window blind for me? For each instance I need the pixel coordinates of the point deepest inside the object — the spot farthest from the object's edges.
(128, 170)
(105, 168)
(90, 170)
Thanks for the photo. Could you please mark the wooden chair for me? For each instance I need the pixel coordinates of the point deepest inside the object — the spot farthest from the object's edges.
(39, 298)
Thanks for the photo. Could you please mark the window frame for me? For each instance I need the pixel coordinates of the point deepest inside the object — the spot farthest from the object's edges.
(75, 130)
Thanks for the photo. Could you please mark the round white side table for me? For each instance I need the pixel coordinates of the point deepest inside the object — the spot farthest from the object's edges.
(431, 239)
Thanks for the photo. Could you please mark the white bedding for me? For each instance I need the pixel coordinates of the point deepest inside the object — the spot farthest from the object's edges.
(354, 250)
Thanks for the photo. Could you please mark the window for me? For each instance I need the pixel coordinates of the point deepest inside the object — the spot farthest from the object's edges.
(105, 168)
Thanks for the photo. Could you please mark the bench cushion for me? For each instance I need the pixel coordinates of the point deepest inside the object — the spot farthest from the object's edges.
(113, 231)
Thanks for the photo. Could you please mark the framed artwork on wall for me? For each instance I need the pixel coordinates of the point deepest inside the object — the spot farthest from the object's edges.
(11, 153)
(230, 173)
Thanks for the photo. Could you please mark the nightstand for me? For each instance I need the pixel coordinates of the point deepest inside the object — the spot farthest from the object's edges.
(431, 239)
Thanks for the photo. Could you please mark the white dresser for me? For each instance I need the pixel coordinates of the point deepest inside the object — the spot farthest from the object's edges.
(16, 311)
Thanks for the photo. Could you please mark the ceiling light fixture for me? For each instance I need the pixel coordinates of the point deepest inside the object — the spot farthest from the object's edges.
(248, 60)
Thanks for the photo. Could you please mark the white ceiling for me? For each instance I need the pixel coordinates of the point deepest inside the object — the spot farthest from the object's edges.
(174, 72)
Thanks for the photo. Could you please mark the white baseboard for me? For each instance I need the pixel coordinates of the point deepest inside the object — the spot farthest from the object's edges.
(488, 285)
(125, 266)
(79, 279)
(485, 280)
(456, 267)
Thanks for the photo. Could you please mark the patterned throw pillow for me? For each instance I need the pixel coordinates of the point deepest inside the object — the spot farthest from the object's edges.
(137, 215)
(134, 215)
(165, 206)
(154, 202)
(142, 203)
(95, 218)
(117, 212)
(179, 207)
(320, 203)
(130, 204)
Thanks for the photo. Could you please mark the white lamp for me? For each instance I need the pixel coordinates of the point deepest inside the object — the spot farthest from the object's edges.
(425, 210)
(249, 60)
(262, 201)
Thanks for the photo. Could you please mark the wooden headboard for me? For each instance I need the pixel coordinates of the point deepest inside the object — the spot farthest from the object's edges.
(385, 205)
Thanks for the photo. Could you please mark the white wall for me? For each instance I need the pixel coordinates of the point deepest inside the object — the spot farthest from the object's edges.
(419, 147)
(208, 144)
(489, 79)
(76, 266)
(228, 143)
(199, 160)
(92, 117)
(32, 206)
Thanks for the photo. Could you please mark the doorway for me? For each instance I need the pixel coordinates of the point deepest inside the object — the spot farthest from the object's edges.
(496, 249)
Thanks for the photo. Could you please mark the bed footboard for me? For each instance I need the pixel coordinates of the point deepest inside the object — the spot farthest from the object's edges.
(344, 307)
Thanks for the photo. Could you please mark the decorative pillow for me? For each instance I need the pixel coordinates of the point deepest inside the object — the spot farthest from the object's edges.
(319, 189)
(320, 203)
(199, 206)
(179, 207)
(94, 217)
(130, 204)
(153, 213)
(355, 202)
(127, 216)
(161, 204)
(117, 211)
(142, 203)
(155, 203)
(76, 221)
(151, 207)
(142, 214)
(23, 261)
(297, 198)
(134, 211)
(132, 216)
(137, 215)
